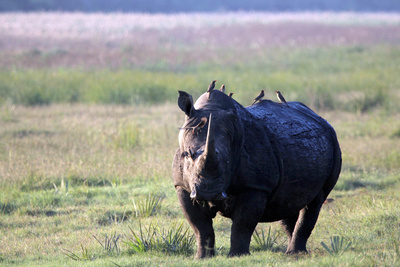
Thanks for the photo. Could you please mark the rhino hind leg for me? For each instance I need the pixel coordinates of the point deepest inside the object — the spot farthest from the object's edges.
(289, 225)
(304, 225)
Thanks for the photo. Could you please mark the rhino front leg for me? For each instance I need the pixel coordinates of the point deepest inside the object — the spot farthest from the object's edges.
(201, 222)
(249, 207)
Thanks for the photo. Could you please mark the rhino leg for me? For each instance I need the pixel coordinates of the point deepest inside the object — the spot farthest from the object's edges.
(305, 224)
(201, 222)
(249, 207)
(289, 225)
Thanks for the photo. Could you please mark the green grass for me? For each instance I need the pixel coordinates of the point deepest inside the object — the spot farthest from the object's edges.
(338, 245)
(65, 180)
(356, 79)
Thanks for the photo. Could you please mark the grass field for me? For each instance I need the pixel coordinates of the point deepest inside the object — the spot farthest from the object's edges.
(89, 123)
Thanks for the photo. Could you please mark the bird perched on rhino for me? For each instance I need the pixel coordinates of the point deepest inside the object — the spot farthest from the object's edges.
(259, 97)
(211, 87)
(222, 89)
(231, 95)
(280, 97)
(196, 128)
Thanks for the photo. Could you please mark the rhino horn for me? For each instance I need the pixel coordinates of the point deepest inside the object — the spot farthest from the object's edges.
(209, 151)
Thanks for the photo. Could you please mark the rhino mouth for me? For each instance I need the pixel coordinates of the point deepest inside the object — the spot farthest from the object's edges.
(201, 195)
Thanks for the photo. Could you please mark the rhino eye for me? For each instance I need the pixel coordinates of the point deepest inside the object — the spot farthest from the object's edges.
(185, 154)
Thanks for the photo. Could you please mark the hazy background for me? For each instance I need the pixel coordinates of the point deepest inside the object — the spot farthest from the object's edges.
(167, 6)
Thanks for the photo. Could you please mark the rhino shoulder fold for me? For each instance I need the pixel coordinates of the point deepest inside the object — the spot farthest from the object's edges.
(258, 163)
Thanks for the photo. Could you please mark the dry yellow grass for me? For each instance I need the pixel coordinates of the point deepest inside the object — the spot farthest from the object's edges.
(63, 140)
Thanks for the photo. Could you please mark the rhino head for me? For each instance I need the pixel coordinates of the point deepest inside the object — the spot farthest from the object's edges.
(207, 149)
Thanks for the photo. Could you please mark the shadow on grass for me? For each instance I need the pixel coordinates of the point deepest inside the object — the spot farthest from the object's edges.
(353, 178)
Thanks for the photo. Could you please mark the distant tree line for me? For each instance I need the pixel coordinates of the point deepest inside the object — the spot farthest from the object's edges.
(169, 6)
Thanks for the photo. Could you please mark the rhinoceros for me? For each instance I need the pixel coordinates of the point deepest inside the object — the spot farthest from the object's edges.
(263, 163)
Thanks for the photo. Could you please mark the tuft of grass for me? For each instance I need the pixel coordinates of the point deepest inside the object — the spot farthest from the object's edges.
(110, 244)
(7, 208)
(84, 256)
(338, 245)
(149, 206)
(144, 241)
(264, 241)
(176, 240)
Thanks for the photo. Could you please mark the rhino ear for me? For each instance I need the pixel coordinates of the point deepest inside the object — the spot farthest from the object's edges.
(185, 103)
